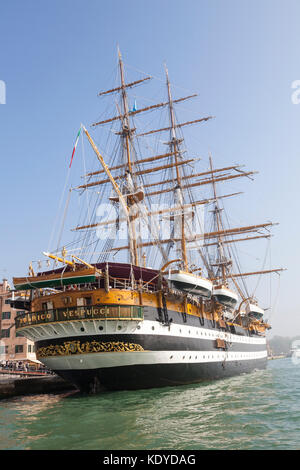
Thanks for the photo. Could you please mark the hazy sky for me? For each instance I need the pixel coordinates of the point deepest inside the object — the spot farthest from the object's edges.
(242, 58)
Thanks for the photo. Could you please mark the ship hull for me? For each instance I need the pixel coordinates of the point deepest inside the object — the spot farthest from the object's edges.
(137, 376)
(122, 347)
(137, 359)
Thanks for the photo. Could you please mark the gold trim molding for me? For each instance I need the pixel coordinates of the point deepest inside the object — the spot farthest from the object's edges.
(69, 348)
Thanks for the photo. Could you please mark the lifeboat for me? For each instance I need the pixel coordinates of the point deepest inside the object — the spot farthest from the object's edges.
(188, 282)
(56, 278)
(254, 311)
(225, 296)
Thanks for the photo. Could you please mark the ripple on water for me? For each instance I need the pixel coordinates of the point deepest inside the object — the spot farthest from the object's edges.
(253, 411)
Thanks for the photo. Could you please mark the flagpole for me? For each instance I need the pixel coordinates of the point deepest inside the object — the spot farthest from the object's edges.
(75, 145)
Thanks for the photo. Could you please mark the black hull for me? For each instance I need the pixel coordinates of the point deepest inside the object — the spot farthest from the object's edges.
(156, 375)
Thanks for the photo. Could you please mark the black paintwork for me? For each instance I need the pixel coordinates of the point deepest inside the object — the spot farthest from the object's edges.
(156, 375)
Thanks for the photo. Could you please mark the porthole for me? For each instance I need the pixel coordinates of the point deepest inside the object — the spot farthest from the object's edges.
(119, 327)
(100, 328)
(138, 327)
(153, 328)
(82, 329)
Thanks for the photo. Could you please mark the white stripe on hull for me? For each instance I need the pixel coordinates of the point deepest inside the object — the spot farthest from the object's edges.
(145, 327)
(119, 359)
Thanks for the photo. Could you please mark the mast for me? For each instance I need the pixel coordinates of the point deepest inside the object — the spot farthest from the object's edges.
(126, 131)
(174, 147)
(179, 182)
(222, 262)
(126, 135)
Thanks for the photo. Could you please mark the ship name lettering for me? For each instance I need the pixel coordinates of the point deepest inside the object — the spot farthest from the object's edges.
(99, 311)
(42, 316)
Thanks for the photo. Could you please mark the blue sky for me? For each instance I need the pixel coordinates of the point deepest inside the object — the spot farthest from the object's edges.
(240, 56)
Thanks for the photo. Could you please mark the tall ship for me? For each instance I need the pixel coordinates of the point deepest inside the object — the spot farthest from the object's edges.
(149, 292)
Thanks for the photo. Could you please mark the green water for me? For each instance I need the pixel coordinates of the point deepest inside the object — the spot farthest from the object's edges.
(260, 410)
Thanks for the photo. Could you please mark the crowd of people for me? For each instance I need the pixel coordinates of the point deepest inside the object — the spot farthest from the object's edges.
(23, 366)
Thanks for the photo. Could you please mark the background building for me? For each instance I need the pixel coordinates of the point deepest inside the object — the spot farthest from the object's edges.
(12, 346)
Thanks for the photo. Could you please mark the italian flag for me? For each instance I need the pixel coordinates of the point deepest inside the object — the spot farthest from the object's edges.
(76, 142)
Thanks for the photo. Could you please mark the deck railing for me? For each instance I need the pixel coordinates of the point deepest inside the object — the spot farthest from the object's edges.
(114, 283)
(108, 312)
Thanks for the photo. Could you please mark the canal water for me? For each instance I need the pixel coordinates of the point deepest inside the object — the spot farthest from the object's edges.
(260, 410)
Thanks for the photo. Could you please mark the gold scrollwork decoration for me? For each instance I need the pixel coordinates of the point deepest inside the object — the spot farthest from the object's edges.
(69, 348)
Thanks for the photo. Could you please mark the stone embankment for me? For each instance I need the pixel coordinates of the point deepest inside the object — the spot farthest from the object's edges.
(12, 387)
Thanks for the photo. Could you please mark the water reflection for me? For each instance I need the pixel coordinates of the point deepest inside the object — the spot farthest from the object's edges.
(18, 415)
